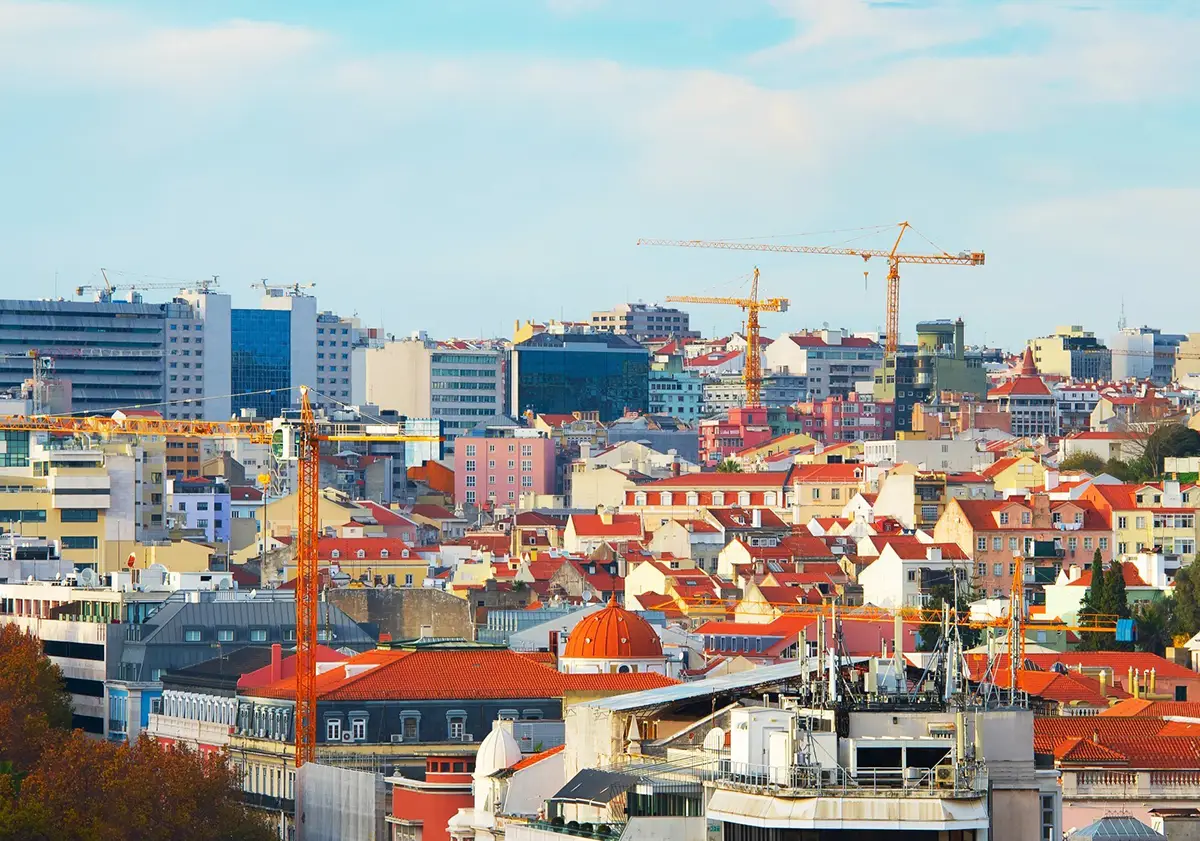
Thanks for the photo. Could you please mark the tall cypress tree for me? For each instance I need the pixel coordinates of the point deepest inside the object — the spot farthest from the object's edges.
(1095, 601)
(1117, 600)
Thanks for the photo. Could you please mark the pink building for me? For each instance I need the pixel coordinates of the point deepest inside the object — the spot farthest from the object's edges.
(495, 465)
(856, 417)
(722, 437)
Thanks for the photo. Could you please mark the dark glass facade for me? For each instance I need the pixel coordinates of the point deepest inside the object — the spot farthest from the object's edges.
(588, 373)
(261, 360)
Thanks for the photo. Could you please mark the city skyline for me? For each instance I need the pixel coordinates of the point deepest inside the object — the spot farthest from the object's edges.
(391, 155)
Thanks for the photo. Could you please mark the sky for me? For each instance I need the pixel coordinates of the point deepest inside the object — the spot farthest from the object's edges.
(455, 166)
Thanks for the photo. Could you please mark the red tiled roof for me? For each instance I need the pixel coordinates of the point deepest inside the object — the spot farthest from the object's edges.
(433, 512)
(1129, 572)
(1144, 708)
(999, 465)
(454, 674)
(839, 473)
(622, 525)
(1093, 435)
(1021, 387)
(740, 518)
(535, 758)
(1063, 688)
(699, 526)
(1085, 750)
(979, 513)
(371, 547)
(969, 477)
(808, 340)
(914, 550)
(711, 360)
(385, 516)
(1050, 730)
(1118, 661)
(244, 493)
(771, 480)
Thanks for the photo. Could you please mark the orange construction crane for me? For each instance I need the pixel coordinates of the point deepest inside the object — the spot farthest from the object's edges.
(893, 256)
(752, 370)
(308, 437)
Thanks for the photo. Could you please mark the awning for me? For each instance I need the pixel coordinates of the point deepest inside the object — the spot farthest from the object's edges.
(596, 787)
(833, 812)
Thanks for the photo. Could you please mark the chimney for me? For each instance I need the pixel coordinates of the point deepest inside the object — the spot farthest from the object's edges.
(1129, 685)
(606, 516)
(276, 662)
(385, 641)
(1041, 511)
(675, 466)
(1104, 682)
(756, 518)
(1051, 480)
(1152, 683)
(426, 632)
(585, 450)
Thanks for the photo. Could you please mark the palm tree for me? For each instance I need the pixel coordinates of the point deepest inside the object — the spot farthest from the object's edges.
(729, 466)
(1154, 632)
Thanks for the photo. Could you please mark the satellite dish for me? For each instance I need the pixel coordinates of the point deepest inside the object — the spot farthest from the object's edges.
(224, 584)
(715, 739)
(253, 593)
(586, 594)
(88, 577)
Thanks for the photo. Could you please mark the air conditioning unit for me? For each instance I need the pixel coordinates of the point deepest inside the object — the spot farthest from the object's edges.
(467, 737)
(347, 737)
(397, 738)
(943, 776)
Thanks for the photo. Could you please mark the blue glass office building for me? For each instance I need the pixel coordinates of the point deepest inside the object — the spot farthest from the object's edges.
(261, 361)
(589, 372)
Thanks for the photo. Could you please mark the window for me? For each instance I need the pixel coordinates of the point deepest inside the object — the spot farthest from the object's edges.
(1122, 522)
(1072, 543)
(258, 635)
(1140, 523)
(981, 544)
(358, 729)
(456, 724)
(1026, 518)
(1013, 544)
(997, 544)
(333, 730)
(816, 493)
(471, 450)
(981, 569)
(79, 515)
(835, 493)
(410, 723)
(224, 634)
(1004, 519)
(192, 635)
(997, 569)
(1103, 542)
(79, 542)
(1087, 543)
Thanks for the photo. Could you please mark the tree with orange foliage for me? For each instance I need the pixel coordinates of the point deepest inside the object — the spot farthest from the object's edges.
(33, 699)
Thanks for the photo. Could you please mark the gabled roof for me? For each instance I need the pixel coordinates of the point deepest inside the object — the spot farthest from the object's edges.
(1129, 572)
(792, 548)
(433, 512)
(593, 525)
(711, 360)
(1021, 387)
(1000, 465)
(807, 340)
(741, 518)
(914, 550)
(1118, 661)
(1140, 707)
(845, 473)
(385, 516)
(347, 548)
(771, 480)
(980, 513)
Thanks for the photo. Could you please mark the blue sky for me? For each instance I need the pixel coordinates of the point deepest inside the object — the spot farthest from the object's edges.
(454, 166)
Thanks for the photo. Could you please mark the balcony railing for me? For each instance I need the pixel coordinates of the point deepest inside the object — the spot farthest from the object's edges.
(1107, 784)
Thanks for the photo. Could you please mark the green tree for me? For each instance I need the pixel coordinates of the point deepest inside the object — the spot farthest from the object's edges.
(943, 593)
(729, 466)
(1119, 470)
(33, 698)
(1095, 602)
(1173, 440)
(1184, 611)
(1089, 462)
(1117, 602)
(1154, 625)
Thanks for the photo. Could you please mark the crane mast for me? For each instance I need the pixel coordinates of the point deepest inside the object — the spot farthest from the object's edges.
(752, 369)
(309, 436)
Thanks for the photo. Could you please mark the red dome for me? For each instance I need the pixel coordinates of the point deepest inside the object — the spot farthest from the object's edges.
(613, 634)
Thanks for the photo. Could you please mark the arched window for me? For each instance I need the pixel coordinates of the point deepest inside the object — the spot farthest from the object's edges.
(360, 554)
(383, 553)
(404, 553)
(335, 554)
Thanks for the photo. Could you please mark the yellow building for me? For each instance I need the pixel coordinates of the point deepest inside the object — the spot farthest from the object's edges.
(780, 444)
(1016, 473)
(1153, 515)
(101, 500)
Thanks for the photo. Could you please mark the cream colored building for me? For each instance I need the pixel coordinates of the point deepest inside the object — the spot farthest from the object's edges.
(1072, 352)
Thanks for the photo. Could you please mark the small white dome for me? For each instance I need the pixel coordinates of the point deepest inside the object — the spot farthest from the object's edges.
(498, 751)
(463, 819)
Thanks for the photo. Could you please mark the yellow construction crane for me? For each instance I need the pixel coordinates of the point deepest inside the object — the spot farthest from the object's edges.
(752, 370)
(893, 256)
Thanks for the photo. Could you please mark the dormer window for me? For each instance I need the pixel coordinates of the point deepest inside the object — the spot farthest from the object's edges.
(639, 498)
(664, 498)
(718, 498)
(744, 498)
(1004, 518)
(383, 553)
(769, 499)
(404, 553)
(335, 554)
(360, 554)
(693, 498)
(1079, 517)
(1026, 518)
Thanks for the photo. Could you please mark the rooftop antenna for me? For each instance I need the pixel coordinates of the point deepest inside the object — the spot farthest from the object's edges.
(1121, 322)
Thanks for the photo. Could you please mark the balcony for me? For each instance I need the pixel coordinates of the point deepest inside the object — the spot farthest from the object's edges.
(188, 730)
(1121, 784)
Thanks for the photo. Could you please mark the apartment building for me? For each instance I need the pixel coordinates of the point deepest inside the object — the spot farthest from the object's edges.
(199, 508)
(498, 462)
(644, 321)
(1145, 353)
(1075, 403)
(600, 372)
(832, 361)
(457, 382)
(856, 417)
(1030, 404)
(1072, 352)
